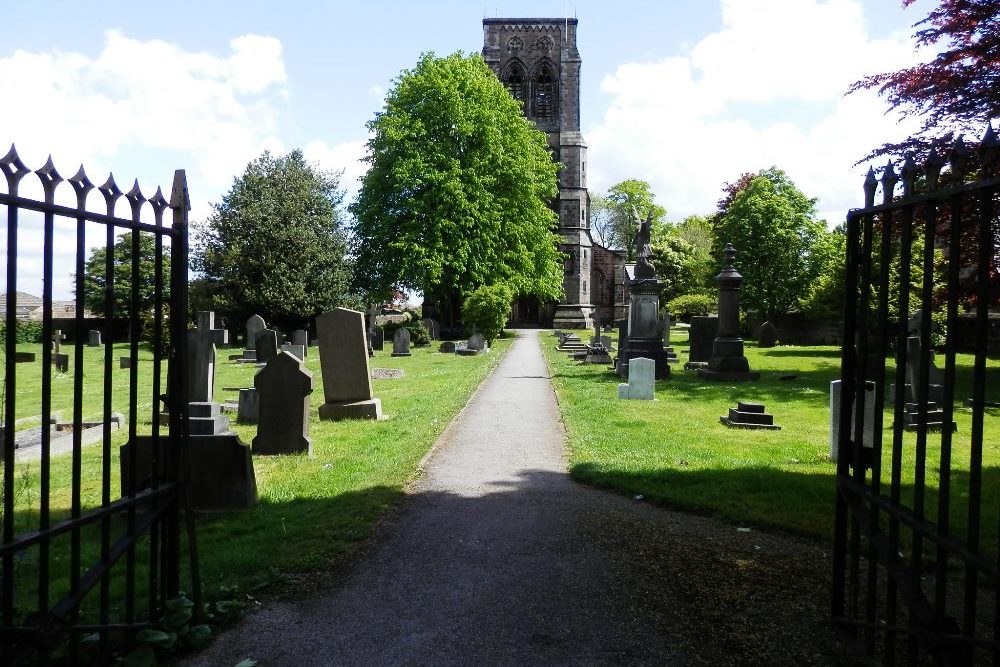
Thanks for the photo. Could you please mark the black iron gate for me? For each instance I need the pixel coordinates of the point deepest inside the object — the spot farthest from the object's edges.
(83, 566)
(915, 555)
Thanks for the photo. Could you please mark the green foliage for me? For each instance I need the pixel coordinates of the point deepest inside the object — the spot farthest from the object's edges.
(688, 305)
(774, 227)
(24, 332)
(275, 245)
(95, 276)
(457, 191)
(698, 232)
(177, 631)
(824, 299)
(612, 215)
(418, 332)
(487, 309)
(676, 265)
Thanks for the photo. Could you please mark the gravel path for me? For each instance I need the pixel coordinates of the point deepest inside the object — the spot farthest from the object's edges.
(498, 557)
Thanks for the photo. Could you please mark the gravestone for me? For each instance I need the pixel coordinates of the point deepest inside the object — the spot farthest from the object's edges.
(728, 364)
(57, 339)
(255, 324)
(768, 335)
(433, 328)
(221, 474)
(622, 348)
(206, 323)
(478, 342)
(666, 329)
(749, 416)
(935, 376)
(124, 362)
(701, 334)
(93, 338)
(644, 335)
(266, 345)
(62, 362)
(301, 337)
(641, 380)
(24, 357)
(296, 350)
(447, 346)
(343, 356)
(868, 429)
(248, 407)
(401, 342)
(283, 388)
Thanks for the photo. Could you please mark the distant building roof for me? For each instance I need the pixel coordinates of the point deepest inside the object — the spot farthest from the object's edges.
(24, 303)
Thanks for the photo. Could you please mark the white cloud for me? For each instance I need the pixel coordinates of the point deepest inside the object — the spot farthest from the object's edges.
(765, 89)
(143, 108)
(344, 156)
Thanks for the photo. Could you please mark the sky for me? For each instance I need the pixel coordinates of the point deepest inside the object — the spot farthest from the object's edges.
(686, 95)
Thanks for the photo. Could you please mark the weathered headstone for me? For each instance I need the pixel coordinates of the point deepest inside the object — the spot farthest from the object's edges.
(301, 337)
(343, 356)
(255, 324)
(728, 364)
(93, 338)
(478, 342)
(124, 362)
(296, 350)
(248, 408)
(447, 346)
(401, 342)
(283, 386)
(433, 328)
(701, 334)
(641, 380)
(206, 323)
(62, 362)
(266, 345)
(868, 432)
(768, 335)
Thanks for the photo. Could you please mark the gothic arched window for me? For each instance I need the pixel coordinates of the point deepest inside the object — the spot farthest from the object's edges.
(545, 92)
(515, 82)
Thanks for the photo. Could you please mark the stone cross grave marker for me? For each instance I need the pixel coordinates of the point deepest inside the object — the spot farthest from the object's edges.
(206, 322)
(343, 356)
(401, 342)
(641, 380)
(266, 345)
(283, 388)
(60, 360)
(201, 365)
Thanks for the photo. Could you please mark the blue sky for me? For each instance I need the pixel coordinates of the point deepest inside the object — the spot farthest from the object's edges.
(685, 95)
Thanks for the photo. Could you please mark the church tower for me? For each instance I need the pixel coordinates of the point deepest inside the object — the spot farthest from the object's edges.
(537, 60)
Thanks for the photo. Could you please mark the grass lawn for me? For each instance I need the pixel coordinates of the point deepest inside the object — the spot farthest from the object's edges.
(311, 511)
(675, 451)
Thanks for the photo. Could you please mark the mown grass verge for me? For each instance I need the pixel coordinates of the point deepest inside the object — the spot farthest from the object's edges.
(675, 451)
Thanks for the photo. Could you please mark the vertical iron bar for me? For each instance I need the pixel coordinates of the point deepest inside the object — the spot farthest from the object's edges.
(82, 186)
(896, 472)
(158, 204)
(944, 479)
(135, 200)
(50, 179)
(13, 171)
(847, 363)
(978, 406)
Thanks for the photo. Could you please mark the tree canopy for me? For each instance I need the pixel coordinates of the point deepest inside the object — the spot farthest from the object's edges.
(958, 90)
(774, 227)
(275, 244)
(95, 278)
(456, 194)
(613, 214)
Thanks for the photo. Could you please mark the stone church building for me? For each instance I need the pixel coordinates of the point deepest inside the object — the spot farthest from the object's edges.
(538, 62)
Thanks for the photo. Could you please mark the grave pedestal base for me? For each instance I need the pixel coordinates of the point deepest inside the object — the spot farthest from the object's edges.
(728, 363)
(648, 348)
(221, 475)
(370, 409)
(573, 316)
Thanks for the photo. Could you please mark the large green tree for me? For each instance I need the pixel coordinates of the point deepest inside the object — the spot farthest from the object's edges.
(774, 227)
(95, 277)
(613, 214)
(457, 191)
(275, 244)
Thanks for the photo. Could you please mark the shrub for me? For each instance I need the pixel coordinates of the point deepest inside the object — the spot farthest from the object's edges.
(24, 332)
(418, 332)
(687, 305)
(487, 308)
